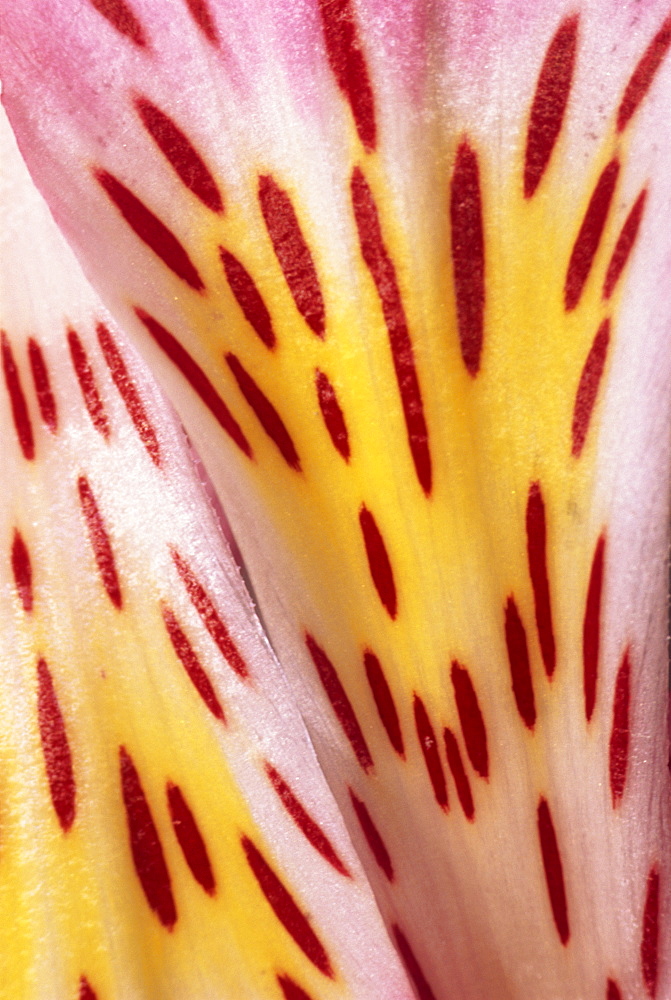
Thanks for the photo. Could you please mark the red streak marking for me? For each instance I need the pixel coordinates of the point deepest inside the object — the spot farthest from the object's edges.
(145, 844)
(383, 273)
(285, 908)
(196, 378)
(292, 253)
(650, 935)
(588, 387)
(55, 747)
(266, 413)
(550, 100)
(347, 62)
(304, 821)
(190, 839)
(619, 734)
(372, 835)
(554, 875)
(520, 670)
(291, 989)
(22, 570)
(180, 154)
(332, 414)
(643, 75)
(470, 717)
(121, 17)
(210, 616)
(613, 990)
(45, 397)
(468, 255)
(24, 429)
(248, 298)
(340, 703)
(459, 774)
(589, 236)
(378, 562)
(191, 664)
(624, 245)
(424, 991)
(150, 229)
(100, 543)
(591, 628)
(86, 991)
(128, 392)
(87, 384)
(384, 701)
(538, 571)
(429, 745)
(200, 13)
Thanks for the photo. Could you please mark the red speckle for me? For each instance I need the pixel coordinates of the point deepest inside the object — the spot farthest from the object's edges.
(468, 255)
(100, 542)
(200, 12)
(24, 429)
(87, 384)
(588, 387)
(424, 991)
(624, 245)
(340, 702)
(22, 570)
(589, 236)
(292, 253)
(285, 908)
(45, 397)
(591, 628)
(429, 746)
(191, 664)
(128, 392)
(332, 414)
(55, 747)
(619, 734)
(459, 774)
(383, 273)
(520, 670)
(266, 413)
(121, 17)
(650, 934)
(538, 571)
(196, 378)
(248, 298)
(384, 701)
(550, 100)
(613, 990)
(554, 875)
(378, 562)
(86, 991)
(347, 62)
(150, 229)
(291, 990)
(372, 835)
(470, 717)
(145, 844)
(190, 839)
(642, 77)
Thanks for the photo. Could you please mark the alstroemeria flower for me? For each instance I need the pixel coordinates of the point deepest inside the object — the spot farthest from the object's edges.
(402, 267)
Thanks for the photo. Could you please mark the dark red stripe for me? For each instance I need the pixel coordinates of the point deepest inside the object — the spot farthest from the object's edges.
(424, 991)
(150, 229)
(45, 397)
(589, 236)
(550, 100)
(468, 255)
(383, 273)
(292, 253)
(56, 749)
(22, 424)
(650, 934)
(624, 245)
(200, 12)
(384, 701)
(332, 413)
(520, 670)
(554, 875)
(266, 413)
(121, 17)
(291, 989)
(429, 745)
(619, 734)
(86, 991)
(375, 842)
(613, 990)
(470, 717)
(378, 562)
(588, 387)
(128, 391)
(180, 153)
(191, 663)
(145, 844)
(196, 378)
(347, 62)
(340, 703)
(87, 384)
(591, 629)
(461, 781)
(285, 908)
(248, 298)
(100, 543)
(190, 839)
(642, 77)
(538, 571)
(22, 570)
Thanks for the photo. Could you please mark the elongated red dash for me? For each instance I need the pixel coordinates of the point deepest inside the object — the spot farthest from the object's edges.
(461, 781)
(470, 717)
(45, 396)
(55, 747)
(384, 701)
(370, 831)
(292, 253)
(20, 415)
(650, 935)
(196, 378)
(87, 384)
(378, 562)
(642, 77)
(145, 844)
(550, 100)
(591, 629)
(332, 413)
(624, 245)
(383, 273)
(22, 570)
(286, 909)
(340, 703)
(554, 875)
(100, 542)
(150, 229)
(128, 392)
(468, 255)
(538, 571)
(248, 298)
(86, 991)
(186, 161)
(291, 989)
(589, 236)
(619, 734)
(202, 16)
(520, 669)
(424, 991)
(190, 839)
(121, 17)
(348, 65)
(613, 990)
(588, 387)
(266, 413)
(429, 747)
(191, 663)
